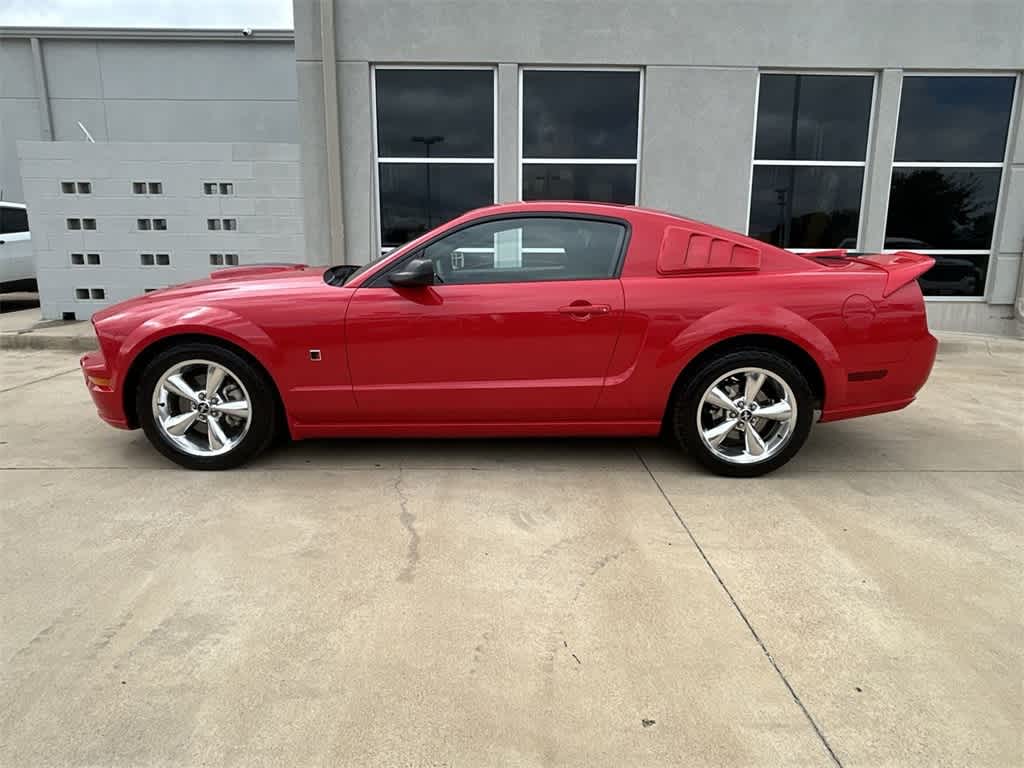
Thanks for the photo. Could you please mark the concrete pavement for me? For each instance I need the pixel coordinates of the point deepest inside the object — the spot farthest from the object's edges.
(515, 602)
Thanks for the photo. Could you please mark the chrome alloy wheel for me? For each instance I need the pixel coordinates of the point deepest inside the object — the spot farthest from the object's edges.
(202, 408)
(747, 416)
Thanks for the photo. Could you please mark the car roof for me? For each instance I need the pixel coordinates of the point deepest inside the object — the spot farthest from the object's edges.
(630, 213)
(558, 206)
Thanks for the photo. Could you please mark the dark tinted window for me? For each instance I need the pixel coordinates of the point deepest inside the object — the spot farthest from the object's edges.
(415, 198)
(943, 208)
(954, 119)
(13, 220)
(805, 207)
(593, 183)
(955, 275)
(435, 113)
(576, 114)
(528, 249)
(813, 117)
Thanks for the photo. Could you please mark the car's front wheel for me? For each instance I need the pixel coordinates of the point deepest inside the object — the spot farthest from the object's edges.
(206, 407)
(744, 414)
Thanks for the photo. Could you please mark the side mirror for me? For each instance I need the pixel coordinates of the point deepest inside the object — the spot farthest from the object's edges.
(414, 274)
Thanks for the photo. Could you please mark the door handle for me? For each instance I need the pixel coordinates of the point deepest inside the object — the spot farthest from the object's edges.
(585, 310)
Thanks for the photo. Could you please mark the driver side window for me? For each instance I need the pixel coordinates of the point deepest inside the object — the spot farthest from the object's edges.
(528, 249)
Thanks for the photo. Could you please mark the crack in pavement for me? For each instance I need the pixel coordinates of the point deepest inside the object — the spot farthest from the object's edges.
(36, 381)
(408, 520)
(753, 632)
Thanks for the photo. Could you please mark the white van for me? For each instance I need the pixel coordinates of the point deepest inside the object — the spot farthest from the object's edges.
(17, 264)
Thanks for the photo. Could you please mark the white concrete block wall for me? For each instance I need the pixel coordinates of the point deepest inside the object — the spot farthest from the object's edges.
(265, 202)
(144, 85)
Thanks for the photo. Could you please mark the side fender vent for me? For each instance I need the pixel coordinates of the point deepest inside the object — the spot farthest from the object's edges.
(685, 251)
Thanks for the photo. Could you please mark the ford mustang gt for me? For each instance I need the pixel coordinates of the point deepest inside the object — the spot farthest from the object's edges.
(524, 319)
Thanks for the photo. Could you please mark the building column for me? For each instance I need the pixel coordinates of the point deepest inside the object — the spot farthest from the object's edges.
(358, 172)
(697, 142)
(1007, 265)
(332, 133)
(878, 174)
(312, 146)
(1019, 308)
(312, 131)
(507, 150)
(42, 91)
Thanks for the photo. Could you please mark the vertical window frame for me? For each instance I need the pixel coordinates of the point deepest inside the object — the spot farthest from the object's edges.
(635, 161)
(378, 160)
(865, 165)
(997, 223)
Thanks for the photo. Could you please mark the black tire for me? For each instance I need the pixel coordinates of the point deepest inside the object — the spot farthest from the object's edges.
(682, 420)
(263, 403)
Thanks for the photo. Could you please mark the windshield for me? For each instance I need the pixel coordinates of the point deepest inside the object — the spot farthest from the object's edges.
(342, 273)
(346, 273)
(361, 270)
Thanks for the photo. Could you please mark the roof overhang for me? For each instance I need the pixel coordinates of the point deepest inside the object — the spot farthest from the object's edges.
(143, 33)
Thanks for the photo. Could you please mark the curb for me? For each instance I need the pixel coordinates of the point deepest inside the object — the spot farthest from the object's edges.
(953, 343)
(29, 340)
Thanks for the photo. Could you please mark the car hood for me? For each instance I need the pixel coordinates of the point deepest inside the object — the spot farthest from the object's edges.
(271, 278)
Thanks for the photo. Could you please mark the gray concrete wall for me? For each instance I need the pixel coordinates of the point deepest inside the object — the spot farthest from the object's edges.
(146, 89)
(735, 33)
(265, 202)
(19, 111)
(701, 60)
(697, 142)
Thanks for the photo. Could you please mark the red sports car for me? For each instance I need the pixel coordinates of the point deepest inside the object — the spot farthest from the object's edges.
(523, 319)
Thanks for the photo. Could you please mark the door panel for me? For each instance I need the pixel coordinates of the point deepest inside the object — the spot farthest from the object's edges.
(487, 352)
(17, 262)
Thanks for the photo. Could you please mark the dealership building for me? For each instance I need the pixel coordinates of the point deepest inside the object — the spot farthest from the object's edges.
(149, 157)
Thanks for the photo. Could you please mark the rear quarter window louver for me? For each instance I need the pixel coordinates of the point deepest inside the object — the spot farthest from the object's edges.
(685, 251)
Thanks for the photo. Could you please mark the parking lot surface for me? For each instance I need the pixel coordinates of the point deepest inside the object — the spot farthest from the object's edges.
(527, 603)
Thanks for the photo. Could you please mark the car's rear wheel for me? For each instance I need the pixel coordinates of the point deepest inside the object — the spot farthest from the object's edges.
(744, 414)
(206, 407)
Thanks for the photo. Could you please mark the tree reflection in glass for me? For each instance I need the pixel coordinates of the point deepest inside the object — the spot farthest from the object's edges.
(943, 208)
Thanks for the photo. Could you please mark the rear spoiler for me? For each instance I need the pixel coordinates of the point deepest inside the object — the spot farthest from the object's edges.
(900, 267)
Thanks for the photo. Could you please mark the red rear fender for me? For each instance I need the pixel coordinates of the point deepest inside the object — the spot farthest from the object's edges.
(748, 320)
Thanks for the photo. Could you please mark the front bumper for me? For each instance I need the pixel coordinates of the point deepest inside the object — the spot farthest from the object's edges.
(102, 388)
